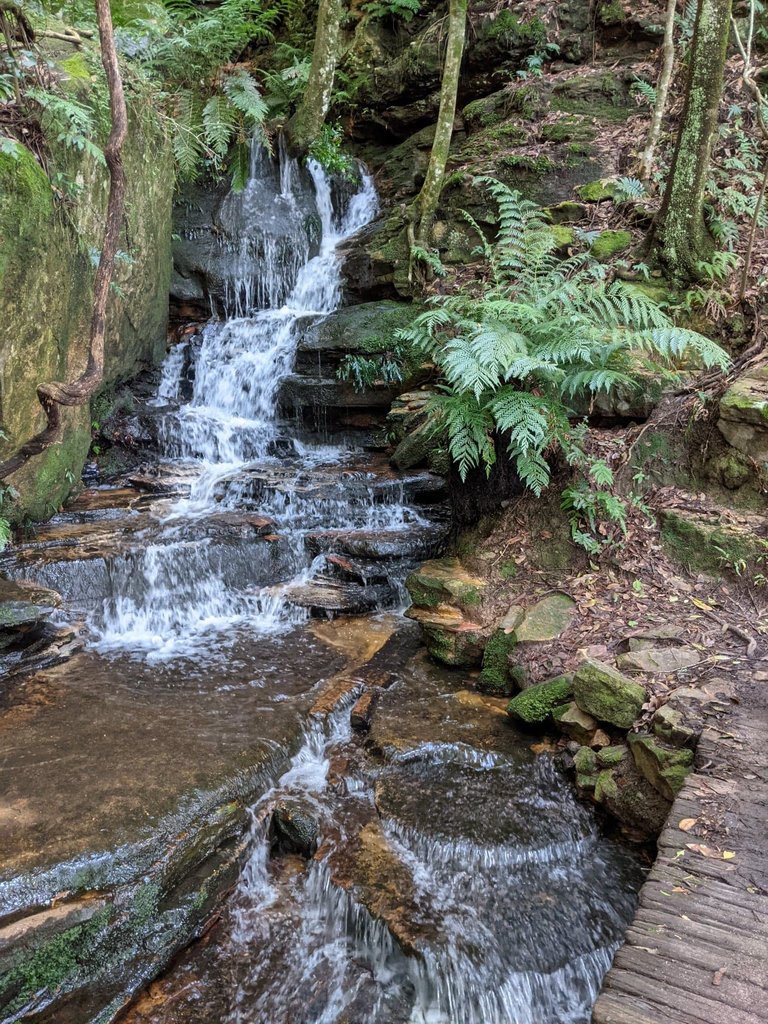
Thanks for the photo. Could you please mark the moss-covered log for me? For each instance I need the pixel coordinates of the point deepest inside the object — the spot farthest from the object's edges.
(680, 235)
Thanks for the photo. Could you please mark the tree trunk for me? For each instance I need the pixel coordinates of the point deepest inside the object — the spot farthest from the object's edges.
(306, 124)
(54, 395)
(662, 91)
(425, 206)
(679, 234)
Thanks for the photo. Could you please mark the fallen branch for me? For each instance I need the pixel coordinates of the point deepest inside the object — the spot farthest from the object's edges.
(737, 630)
(55, 395)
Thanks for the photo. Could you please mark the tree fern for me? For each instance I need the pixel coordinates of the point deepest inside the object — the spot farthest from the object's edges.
(544, 333)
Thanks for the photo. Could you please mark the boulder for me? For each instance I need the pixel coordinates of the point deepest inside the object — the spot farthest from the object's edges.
(658, 660)
(624, 792)
(744, 414)
(546, 620)
(575, 723)
(538, 702)
(607, 695)
(663, 765)
(295, 828)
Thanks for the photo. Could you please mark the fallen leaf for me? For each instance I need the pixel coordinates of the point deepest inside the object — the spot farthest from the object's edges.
(702, 604)
(686, 824)
(728, 854)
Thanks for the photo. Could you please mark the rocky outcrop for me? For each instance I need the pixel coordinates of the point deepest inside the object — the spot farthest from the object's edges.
(744, 414)
(46, 277)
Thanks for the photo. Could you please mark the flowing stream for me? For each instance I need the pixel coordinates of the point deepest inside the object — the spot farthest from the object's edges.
(456, 880)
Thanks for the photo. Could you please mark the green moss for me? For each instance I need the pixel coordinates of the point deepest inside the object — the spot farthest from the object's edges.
(608, 695)
(26, 201)
(595, 191)
(612, 12)
(76, 67)
(663, 765)
(605, 786)
(495, 676)
(510, 28)
(563, 235)
(610, 756)
(508, 570)
(610, 243)
(535, 165)
(708, 547)
(585, 761)
(537, 703)
(50, 966)
(568, 129)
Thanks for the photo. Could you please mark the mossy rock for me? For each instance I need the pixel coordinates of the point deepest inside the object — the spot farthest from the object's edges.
(628, 796)
(537, 702)
(445, 581)
(744, 414)
(609, 244)
(568, 129)
(705, 542)
(609, 757)
(611, 13)
(495, 677)
(546, 620)
(607, 695)
(663, 765)
(585, 761)
(604, 97)
(568, 212)
(596, 191)
(564, 236)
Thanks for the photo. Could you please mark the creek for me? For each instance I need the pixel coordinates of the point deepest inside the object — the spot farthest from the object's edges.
(435, 870)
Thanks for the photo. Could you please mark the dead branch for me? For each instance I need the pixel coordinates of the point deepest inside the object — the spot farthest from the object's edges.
(55, 395)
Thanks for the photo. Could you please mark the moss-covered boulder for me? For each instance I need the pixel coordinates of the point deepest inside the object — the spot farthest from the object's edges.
(609, 244)
(714, 540)
(663, 765)
(496, 677)
(596, 191)
(628, 796)
(447, 604)
(744, 414)
(538, 702)
(545, 620)
(607, 695)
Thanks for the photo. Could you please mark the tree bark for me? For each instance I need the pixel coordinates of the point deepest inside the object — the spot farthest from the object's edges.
(55, 395)
(425, 205)
(662, 91)
(305, 126)
(679, 234)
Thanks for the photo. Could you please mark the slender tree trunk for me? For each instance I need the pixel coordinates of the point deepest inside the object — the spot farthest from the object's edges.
(55, 395)
(679, 233)
(306, 124)
(425, 205)
(662, 91)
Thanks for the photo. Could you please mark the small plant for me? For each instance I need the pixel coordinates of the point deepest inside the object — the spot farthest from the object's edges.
(367, 371)
(626, 189)
(405, 10)
(329, 154)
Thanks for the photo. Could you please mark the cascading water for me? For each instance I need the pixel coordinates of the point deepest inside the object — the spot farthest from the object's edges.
(165, 597)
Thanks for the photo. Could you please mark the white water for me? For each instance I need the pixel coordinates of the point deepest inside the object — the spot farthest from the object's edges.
(167, 599)
(521, 932)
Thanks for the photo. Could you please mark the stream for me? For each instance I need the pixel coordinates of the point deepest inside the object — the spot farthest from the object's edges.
(429, 868)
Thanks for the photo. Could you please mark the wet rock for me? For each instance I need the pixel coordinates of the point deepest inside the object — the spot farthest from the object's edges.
(608, 695)
(744, 414)
(658, 660)
(410, 542)
(538, 702)
(24, 609)
(326, 595)
(673, 726)
(295, 828)
(624, 792)
(663, 765)
(574, 722)
(449, 637)
(362, 711)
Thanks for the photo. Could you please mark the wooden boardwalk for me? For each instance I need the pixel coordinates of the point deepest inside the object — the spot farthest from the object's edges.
(697, 950)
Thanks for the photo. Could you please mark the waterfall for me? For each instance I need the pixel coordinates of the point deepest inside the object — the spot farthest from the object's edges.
(284, 275)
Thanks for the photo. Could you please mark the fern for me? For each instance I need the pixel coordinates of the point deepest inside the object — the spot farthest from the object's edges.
(545, 332)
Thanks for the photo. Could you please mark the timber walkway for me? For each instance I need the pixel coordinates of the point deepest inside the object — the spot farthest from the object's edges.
(697, 950)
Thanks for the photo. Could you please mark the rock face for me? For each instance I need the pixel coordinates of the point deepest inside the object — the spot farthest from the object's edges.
(663, 765)
(446, 604)
(608, 695)
(45, 293)
(744, 414)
